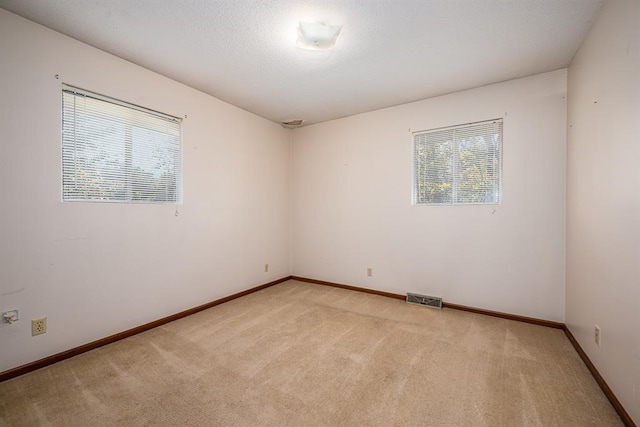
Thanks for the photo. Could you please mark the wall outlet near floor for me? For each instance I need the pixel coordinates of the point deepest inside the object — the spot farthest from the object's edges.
(369, 271)
(598, 335)
(266, 268)
(38, 326)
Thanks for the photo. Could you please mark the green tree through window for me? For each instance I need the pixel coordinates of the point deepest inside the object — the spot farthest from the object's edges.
(458, 165)
(118, 152)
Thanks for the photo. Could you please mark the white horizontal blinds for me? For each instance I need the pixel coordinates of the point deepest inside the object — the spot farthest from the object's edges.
(433, 167)
(112, 151)
(458, 165)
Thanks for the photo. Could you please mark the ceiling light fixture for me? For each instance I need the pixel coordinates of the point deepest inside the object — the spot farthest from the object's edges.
(317, 36)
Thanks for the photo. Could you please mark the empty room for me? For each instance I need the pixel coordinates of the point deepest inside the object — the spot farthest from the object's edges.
(341, 213)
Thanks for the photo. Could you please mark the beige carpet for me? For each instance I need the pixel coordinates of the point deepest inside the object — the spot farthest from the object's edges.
(299, 354)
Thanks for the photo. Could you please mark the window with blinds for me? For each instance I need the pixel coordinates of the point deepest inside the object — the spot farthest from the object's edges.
(458, 165)
(113, 151)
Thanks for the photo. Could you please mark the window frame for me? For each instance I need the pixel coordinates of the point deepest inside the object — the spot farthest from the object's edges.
(128, 171)
(414, 176)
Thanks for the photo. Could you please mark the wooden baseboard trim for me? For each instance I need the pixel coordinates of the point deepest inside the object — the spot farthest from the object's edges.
(50, 360)
(349, 287)
(525, 319)
(541, 322)
(624, 416)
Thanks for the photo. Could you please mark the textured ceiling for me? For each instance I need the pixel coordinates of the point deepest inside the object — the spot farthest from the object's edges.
(389, 51)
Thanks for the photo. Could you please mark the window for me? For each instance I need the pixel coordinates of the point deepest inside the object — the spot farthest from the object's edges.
(458, 165)
(117, 152)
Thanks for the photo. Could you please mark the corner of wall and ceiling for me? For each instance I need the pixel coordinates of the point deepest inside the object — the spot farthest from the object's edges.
(290, 199)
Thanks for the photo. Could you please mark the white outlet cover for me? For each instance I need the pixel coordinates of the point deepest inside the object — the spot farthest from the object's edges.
(38, 326)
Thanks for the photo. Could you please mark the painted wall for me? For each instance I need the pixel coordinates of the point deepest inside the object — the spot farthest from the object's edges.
(94, 269)
(603, 203)
(352, 183)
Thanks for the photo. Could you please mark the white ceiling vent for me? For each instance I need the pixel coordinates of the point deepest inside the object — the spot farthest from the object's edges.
(292, 123)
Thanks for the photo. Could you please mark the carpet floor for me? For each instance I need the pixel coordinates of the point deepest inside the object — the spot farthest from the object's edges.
(298, 354)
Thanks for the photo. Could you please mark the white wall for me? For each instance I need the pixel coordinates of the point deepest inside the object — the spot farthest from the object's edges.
(95, 269)
(352, 181)
(603, 204)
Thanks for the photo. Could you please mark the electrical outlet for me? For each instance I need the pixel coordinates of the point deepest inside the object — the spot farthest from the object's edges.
(38, 326)
(369, 271)
(598, 335)
(266, 268)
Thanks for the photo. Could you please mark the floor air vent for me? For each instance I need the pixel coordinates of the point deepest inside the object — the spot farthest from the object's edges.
(428, 301)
